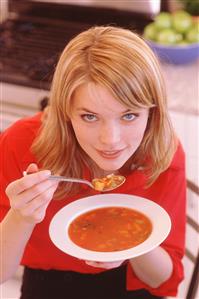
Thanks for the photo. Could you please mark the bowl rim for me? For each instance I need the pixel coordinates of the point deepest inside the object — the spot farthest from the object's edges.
(175, 46)
(58, 229)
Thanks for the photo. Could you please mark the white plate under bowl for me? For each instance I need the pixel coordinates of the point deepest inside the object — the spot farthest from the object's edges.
(58, 229)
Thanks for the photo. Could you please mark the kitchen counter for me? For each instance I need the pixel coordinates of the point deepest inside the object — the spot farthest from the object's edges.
(182, 87)
(183, 102)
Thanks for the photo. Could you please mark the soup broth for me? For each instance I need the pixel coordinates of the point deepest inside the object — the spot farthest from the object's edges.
(110, 229)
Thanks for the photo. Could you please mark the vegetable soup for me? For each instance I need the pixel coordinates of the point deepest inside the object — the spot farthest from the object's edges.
(111, 181)
(110, 229)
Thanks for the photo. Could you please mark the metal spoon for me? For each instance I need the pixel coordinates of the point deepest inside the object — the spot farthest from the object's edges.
(94, 184)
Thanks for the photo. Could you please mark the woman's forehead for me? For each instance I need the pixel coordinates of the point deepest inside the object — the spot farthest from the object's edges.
(92, 97)
(95, 97)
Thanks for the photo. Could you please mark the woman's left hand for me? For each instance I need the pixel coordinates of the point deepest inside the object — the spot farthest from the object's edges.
(105, 265)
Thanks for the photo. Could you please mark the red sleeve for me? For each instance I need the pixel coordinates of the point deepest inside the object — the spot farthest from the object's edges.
(15, 145)
(170, 192)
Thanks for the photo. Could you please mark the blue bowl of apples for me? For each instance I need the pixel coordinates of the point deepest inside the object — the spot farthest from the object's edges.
(174, 37)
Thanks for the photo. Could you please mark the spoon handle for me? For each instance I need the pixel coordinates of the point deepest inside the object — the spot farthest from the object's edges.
(66, 179)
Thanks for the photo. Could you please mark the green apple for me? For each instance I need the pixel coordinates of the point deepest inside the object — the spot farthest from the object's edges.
(163, 21)
(192, 36)
(166, 37)
(179, 37)
(150, 31)
(181, 21)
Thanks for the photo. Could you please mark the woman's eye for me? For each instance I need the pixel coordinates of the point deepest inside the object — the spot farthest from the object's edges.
(89, 117)
(129, 116)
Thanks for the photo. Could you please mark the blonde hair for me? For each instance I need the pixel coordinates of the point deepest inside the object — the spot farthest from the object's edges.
(122, 62)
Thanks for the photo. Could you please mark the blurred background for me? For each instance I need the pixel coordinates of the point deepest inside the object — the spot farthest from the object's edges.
(32, 36)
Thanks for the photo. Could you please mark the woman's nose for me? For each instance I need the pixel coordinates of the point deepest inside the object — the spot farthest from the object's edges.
(110, 134)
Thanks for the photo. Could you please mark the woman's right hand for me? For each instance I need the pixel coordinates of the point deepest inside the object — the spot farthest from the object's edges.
(30, 195)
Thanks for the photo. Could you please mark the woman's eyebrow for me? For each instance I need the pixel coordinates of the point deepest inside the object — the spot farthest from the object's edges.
(92, 112)
(86, 110)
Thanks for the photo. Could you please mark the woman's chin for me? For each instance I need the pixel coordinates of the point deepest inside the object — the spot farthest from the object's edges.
(110, 168)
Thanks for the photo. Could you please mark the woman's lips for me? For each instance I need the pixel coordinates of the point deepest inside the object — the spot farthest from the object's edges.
(110, 154)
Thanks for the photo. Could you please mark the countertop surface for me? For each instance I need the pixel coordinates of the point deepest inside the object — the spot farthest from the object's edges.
(182, 87)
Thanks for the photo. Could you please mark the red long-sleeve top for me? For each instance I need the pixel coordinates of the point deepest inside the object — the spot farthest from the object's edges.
(168, 191)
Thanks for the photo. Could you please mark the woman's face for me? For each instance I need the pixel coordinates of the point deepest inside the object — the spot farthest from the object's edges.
(107, 131)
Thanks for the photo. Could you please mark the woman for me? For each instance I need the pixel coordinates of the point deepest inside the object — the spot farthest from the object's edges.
(107, 114)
